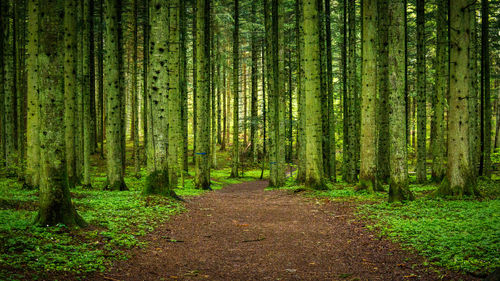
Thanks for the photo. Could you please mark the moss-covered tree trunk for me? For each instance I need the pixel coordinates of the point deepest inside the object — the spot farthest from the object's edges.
(173, 94)
(398, 187)
(459, 180)
(329, 82)
(145, 82)
(277, 99)
(313, 122)
(134, 91)
(9, 55)
(33, 149)
(350, 154)
(485, 165)
(2, 100)
(383, 94)
(183, 83)
(55, 200)
(100, 79)
(70, 87)
(236, 118)
(421, 95)
(368, 171)
(438, 141)
(299, 33)
(255, 76)
(472, 102)
(202, 152)
(159, 89)
(20, 37)
(114, 96)
(87, 92)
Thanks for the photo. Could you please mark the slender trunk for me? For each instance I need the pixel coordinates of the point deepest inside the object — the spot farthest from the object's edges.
(100, 69)
(202, 152)
(351, 164)
(255, 76)
(145, 83)
(264, 108)
(93, 113)
(485, 165)
(70, 88)
(324, 90)
(20, 37)
(398, 188)
(329, 80)
(472, 102)
(301, 174)
(33, 150)
(236, 59)
(421, 95)
(183, 84)
(224, 109)
(87, 93)
(195, 78)
(135, 100)
(213, 89)
(245, 105)
(345, 100)
(368, 171)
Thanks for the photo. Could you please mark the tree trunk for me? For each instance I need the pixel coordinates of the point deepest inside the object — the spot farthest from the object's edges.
(299, 33)
(33, 149)
(135, 93)
(70, 88)
(100, 70)
(459, 180)
(398, 188)
(55, 200)
(20, 37)
(329, 82)
(255, 77)
(438, 141)
(114, 95)
(202, 152)
(312, 83)
(421, 95)
(87, 93)
(236, 118)
(277, 99)
(9, 55)
(351, 164)
(183, 84)
(472, 102)
(145, 83)
(485, 165)
(368, 171)
(195, 78)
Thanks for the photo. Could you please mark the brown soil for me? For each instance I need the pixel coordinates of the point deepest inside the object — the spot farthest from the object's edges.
(245, 233)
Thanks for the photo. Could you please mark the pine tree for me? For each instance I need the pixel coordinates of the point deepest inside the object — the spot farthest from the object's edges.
(236, 118)
(114, 96)
(398, 187)
(421, 95)
(367, 177)
(55, 199)
(202, 152)
(459, 180)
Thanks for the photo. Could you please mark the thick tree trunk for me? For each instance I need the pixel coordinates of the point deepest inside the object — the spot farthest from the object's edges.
(421, 95)
(114, 96)
(398, 188)
(33, 149)
(459, 180)
(202, 152)
(368, 171)
(236, 118)
(70, 88)
(438, 141)
(312, 82)
(55, 199)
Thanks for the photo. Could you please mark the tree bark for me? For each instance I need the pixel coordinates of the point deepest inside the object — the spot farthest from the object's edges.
(114, 96)
(236, 59)
(485, 165)
(202, 152)
(398, 188)
(421, 95)
(368, 171)
(55, 200)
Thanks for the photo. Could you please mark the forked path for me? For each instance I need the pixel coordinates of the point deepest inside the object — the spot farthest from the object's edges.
(245, 233)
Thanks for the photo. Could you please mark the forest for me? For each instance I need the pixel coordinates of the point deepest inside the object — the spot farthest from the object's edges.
(249, 139)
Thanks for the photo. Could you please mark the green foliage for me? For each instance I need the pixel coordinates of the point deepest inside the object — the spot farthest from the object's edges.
(461, 235)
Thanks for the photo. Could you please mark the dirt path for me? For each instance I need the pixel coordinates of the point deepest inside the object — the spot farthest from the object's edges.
(245, 233)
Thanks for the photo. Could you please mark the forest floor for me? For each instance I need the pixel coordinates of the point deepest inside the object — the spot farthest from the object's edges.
(245, 232)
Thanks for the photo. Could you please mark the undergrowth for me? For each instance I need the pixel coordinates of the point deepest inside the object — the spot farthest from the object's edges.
(117, 222)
